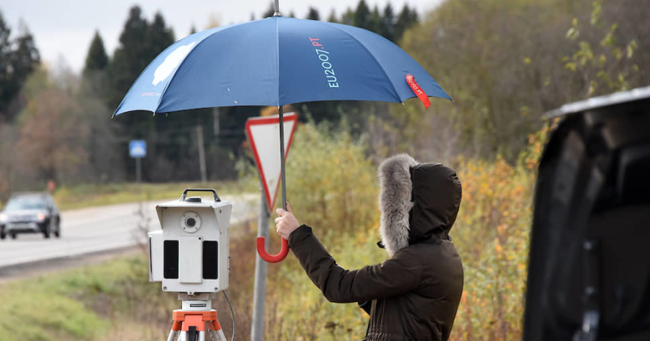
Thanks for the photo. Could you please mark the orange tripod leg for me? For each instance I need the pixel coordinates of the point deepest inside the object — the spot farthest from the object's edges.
(176, 327)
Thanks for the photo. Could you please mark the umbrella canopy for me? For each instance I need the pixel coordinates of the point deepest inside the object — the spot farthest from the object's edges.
(276, 61)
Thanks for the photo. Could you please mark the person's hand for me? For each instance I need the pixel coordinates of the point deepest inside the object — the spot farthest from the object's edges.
(286, 222)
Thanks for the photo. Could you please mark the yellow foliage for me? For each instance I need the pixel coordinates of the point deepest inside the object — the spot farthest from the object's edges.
(334, 188)
(491, 234)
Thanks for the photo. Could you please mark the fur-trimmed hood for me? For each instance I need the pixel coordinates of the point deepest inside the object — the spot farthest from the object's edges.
(417, 200)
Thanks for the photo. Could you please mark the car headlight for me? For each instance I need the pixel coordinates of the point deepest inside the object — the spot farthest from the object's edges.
(40, 217)
(3, 218)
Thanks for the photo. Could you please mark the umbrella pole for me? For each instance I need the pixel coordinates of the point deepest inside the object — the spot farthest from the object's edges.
(284, 184)
(277, 14)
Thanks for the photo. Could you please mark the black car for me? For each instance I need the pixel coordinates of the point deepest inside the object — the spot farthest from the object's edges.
(589, 266)
(30, 213)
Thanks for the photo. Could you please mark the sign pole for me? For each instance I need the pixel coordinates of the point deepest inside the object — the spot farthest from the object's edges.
(262, 133)
(199, 143)
(138, 170)
(259, 296)
(138, 150)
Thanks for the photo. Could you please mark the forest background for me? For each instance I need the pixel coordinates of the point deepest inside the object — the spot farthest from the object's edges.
(505, 63)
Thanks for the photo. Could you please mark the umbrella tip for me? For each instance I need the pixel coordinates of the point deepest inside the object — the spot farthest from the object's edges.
(277, 9)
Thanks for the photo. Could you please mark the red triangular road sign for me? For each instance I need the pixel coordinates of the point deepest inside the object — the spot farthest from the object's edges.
(264, 136)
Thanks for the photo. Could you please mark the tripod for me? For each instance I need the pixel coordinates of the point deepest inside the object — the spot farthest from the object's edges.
(196, 321)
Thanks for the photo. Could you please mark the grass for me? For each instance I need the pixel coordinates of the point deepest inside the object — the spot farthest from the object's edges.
(52, 308)
(81, 196)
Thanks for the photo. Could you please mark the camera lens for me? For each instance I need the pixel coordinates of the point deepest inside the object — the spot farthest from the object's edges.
(190, 222)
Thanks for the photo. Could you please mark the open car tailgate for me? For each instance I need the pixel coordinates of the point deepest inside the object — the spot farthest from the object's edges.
(589, 263)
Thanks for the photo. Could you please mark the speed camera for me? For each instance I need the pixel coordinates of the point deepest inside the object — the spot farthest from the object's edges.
(190, 254)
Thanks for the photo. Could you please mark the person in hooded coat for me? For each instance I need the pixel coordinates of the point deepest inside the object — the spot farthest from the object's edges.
(413, 295)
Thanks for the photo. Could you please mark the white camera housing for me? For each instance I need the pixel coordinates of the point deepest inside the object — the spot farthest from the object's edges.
(191, 252)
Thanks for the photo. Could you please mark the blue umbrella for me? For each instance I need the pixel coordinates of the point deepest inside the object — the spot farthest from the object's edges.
(275, 62)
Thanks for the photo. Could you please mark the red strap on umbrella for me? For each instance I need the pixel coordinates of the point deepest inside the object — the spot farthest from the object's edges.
(418, 91)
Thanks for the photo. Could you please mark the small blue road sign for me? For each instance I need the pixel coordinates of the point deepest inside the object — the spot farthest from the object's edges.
(138, 148)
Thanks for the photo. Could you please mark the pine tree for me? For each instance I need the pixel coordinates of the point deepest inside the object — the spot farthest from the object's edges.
(7, 83)
(362, 15)
(158, 37)
(375, 22)
(129, 58)
(313, 14)
(26, 55)
(97, 59)
(269, 11)
(406, 19)
(5, 45)
(140, 43)
(94, 76)
(387, 29)
(18, 59)
(348, 17)
(101, 143)
(332, 17)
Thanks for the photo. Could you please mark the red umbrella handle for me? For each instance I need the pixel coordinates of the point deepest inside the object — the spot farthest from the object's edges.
(261, 250)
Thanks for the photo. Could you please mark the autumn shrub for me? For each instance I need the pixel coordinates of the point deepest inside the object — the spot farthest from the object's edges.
(333, 187)
(491, 235)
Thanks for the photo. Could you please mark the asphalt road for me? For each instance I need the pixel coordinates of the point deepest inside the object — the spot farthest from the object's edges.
(100, 229)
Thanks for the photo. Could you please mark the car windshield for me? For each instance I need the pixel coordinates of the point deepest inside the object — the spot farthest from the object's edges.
(26, 203)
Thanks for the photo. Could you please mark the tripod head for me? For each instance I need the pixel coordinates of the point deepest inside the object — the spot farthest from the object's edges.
(197, 321)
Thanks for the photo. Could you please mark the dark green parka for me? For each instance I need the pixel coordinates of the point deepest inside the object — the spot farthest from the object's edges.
(413, 295)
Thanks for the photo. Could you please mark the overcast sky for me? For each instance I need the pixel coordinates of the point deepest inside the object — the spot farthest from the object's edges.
(64, 28)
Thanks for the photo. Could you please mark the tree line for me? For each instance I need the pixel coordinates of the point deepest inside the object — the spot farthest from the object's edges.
(60, 122)
(505, 63)
(18, 59)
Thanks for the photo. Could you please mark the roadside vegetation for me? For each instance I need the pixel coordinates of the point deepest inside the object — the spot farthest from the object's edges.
(491, 234)
(57, 307)
(114, 300)
(90, 195)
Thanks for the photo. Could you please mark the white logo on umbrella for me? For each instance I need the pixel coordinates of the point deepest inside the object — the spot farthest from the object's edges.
(171, 62)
